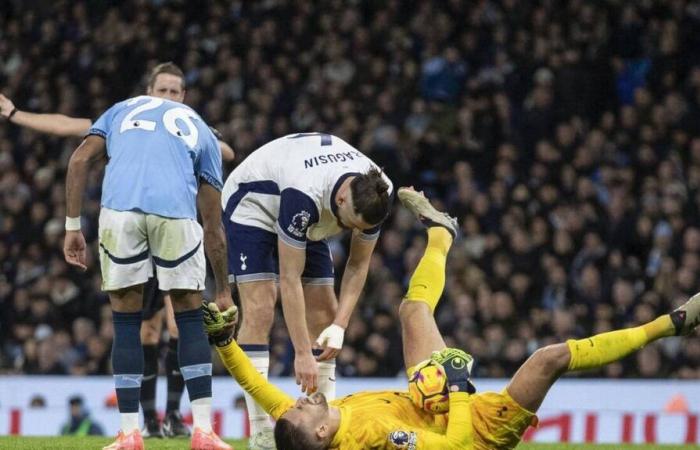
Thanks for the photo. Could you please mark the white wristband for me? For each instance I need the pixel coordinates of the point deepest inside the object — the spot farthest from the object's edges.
(73, 223)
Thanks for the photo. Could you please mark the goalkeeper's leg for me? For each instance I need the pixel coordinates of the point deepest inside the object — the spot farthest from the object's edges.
(530, 384)
(420, 333)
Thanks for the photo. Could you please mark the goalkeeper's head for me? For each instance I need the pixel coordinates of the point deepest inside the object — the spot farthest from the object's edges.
(309, 425)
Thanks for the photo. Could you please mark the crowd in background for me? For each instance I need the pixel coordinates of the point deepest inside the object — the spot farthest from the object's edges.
(564, 135)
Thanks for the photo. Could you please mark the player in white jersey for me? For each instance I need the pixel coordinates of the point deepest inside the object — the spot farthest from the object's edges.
(280, 204)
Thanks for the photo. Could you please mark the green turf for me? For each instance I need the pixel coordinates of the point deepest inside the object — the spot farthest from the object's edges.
(87, 443)
(92, 443)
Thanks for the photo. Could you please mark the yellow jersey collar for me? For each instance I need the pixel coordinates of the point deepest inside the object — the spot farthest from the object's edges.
(345, 415)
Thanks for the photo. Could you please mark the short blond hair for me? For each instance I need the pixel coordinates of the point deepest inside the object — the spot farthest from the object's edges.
(166, 67)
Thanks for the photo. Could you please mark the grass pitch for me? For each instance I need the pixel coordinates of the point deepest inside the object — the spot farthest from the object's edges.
(87, 443)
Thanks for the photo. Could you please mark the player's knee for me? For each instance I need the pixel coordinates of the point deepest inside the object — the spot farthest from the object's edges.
(408, 309)
(329, 307)
(258, 307)
(127, 300)
(322, 303)
(258, 316)
(552, 359)
(185, 300)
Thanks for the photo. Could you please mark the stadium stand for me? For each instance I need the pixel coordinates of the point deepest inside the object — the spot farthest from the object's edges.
(567, 143)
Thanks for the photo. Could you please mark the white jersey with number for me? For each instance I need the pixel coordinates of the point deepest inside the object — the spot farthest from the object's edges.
(288, 187)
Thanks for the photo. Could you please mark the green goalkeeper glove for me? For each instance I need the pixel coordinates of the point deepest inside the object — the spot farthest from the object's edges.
(458, 367)
(219, 326)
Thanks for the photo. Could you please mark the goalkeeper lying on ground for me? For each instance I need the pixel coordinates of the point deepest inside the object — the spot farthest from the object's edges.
(389, 420)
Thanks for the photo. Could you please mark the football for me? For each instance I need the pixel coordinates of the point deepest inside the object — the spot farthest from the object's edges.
(427, 387)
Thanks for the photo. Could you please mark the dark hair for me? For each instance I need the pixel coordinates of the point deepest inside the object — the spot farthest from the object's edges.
(370, 195)
(291, 437)
(166, 67)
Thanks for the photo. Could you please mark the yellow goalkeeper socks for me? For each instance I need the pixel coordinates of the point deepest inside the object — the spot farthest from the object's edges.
(602, 349)
(428, 279)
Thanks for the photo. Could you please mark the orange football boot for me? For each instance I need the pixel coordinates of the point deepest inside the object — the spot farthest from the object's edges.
(207, 441)
(131, 441)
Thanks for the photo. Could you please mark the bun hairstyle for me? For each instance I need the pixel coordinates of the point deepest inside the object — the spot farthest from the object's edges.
(370, 196)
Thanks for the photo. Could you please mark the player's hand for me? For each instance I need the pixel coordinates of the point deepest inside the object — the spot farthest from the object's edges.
(458, 366)
(74, 249)
(331, 341)
(306, 372)
(6, 106)
(219, 326)
(223, 300)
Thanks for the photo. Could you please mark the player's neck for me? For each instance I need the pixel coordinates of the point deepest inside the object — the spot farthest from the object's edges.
(334, 420)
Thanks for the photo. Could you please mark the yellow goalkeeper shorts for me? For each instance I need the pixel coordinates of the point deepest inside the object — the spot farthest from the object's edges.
(499, 422)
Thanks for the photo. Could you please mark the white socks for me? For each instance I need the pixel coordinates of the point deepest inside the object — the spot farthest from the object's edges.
(201, 414)
(259, 420)
(129, 422)
(326, 378)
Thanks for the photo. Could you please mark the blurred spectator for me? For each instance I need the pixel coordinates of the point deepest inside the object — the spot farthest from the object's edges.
(564, 135)
(79, 421)
(37, 401)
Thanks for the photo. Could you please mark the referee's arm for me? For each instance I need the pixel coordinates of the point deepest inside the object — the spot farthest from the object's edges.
(56, 124)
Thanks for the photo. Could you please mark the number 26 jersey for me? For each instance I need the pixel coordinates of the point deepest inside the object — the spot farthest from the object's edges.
(158, 150)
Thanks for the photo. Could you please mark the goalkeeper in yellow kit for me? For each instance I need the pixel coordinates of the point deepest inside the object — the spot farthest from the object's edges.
(389, 420)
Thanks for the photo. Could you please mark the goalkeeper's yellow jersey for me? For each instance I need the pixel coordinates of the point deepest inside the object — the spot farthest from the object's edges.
(368, 420)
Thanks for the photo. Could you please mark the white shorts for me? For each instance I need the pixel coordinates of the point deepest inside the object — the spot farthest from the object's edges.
(131, 243)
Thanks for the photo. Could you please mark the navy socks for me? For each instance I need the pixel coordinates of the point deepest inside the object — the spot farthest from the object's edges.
(194, 353)
(127, 360)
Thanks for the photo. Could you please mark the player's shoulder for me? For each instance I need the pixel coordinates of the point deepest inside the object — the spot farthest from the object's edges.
(122, 105)
(316, 139)
(153, 103)
(340, 142)
(119, 106)
(130, 101)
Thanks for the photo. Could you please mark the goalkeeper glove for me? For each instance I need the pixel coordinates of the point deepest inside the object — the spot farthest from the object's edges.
(458, 366)
(219, 326)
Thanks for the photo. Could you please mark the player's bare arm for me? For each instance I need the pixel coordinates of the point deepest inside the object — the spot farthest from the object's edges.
(354, 277)
(220, 328)
(292, 262)
(92, 149)
(56, 124)
(66, 126)
(227, 153)
(208, 199)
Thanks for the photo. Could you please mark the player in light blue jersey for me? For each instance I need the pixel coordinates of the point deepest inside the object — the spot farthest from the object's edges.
(163, 161)
(166, 80)
(156, 171)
